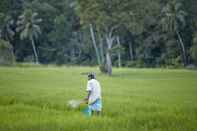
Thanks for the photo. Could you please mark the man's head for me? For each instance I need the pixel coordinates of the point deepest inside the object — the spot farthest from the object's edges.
(91, 76)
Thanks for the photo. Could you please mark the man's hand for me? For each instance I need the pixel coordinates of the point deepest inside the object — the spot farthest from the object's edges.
(86, 100)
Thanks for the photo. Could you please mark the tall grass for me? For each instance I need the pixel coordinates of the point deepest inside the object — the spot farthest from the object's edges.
(35, 98)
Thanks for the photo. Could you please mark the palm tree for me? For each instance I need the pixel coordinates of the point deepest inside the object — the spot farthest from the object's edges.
(28, 25)
(173, 20)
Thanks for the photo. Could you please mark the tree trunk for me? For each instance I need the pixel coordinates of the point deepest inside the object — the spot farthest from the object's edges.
(0, 34)
(119, 52)
(109, 40)
(131, 54)
(182, 48)
(34, 50)
(73, 55)
(94, 44)
(101, 50)
(80, 44)
(108, 63)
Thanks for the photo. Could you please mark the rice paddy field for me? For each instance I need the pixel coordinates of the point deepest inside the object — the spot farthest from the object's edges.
(35, 99)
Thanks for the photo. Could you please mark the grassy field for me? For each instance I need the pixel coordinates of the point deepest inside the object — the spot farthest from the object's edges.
(34, 99)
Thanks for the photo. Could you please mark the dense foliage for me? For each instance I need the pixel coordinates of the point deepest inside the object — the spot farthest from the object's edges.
(139, 33)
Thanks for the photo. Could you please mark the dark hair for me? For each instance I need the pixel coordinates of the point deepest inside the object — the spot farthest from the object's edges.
(91, 76)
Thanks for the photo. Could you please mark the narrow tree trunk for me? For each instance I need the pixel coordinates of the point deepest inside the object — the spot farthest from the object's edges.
(119, 52)
(101, 49)
(108, 63)
(79, 47)
(182, 48)
(34, 50)
(131, 51)
(0, 34)
(73, 55)
(109, 40)
(94, 44)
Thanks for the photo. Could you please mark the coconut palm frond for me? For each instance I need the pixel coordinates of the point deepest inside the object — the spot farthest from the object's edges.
(34, 15)
(183, 13)
(164, 10)
(178, 6)
(37, 29)
(22, 16)
(28, 26)
(181, 19)
(21, 22)
(37, 21)
(24, 34)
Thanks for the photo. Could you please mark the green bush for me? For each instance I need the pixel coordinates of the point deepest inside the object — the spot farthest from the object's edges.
(137, 64)
(6, 53)
(193, 52)
(103, 68)
(26, 65)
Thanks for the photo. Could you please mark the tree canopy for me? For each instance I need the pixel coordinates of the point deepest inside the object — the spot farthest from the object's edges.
(82, 32)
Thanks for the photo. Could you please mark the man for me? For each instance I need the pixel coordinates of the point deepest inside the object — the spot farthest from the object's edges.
(94, 95)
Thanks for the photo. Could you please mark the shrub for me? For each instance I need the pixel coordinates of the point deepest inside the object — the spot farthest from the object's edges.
(137, 64)
(193, 52)
(103, 68)
(6, 53)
